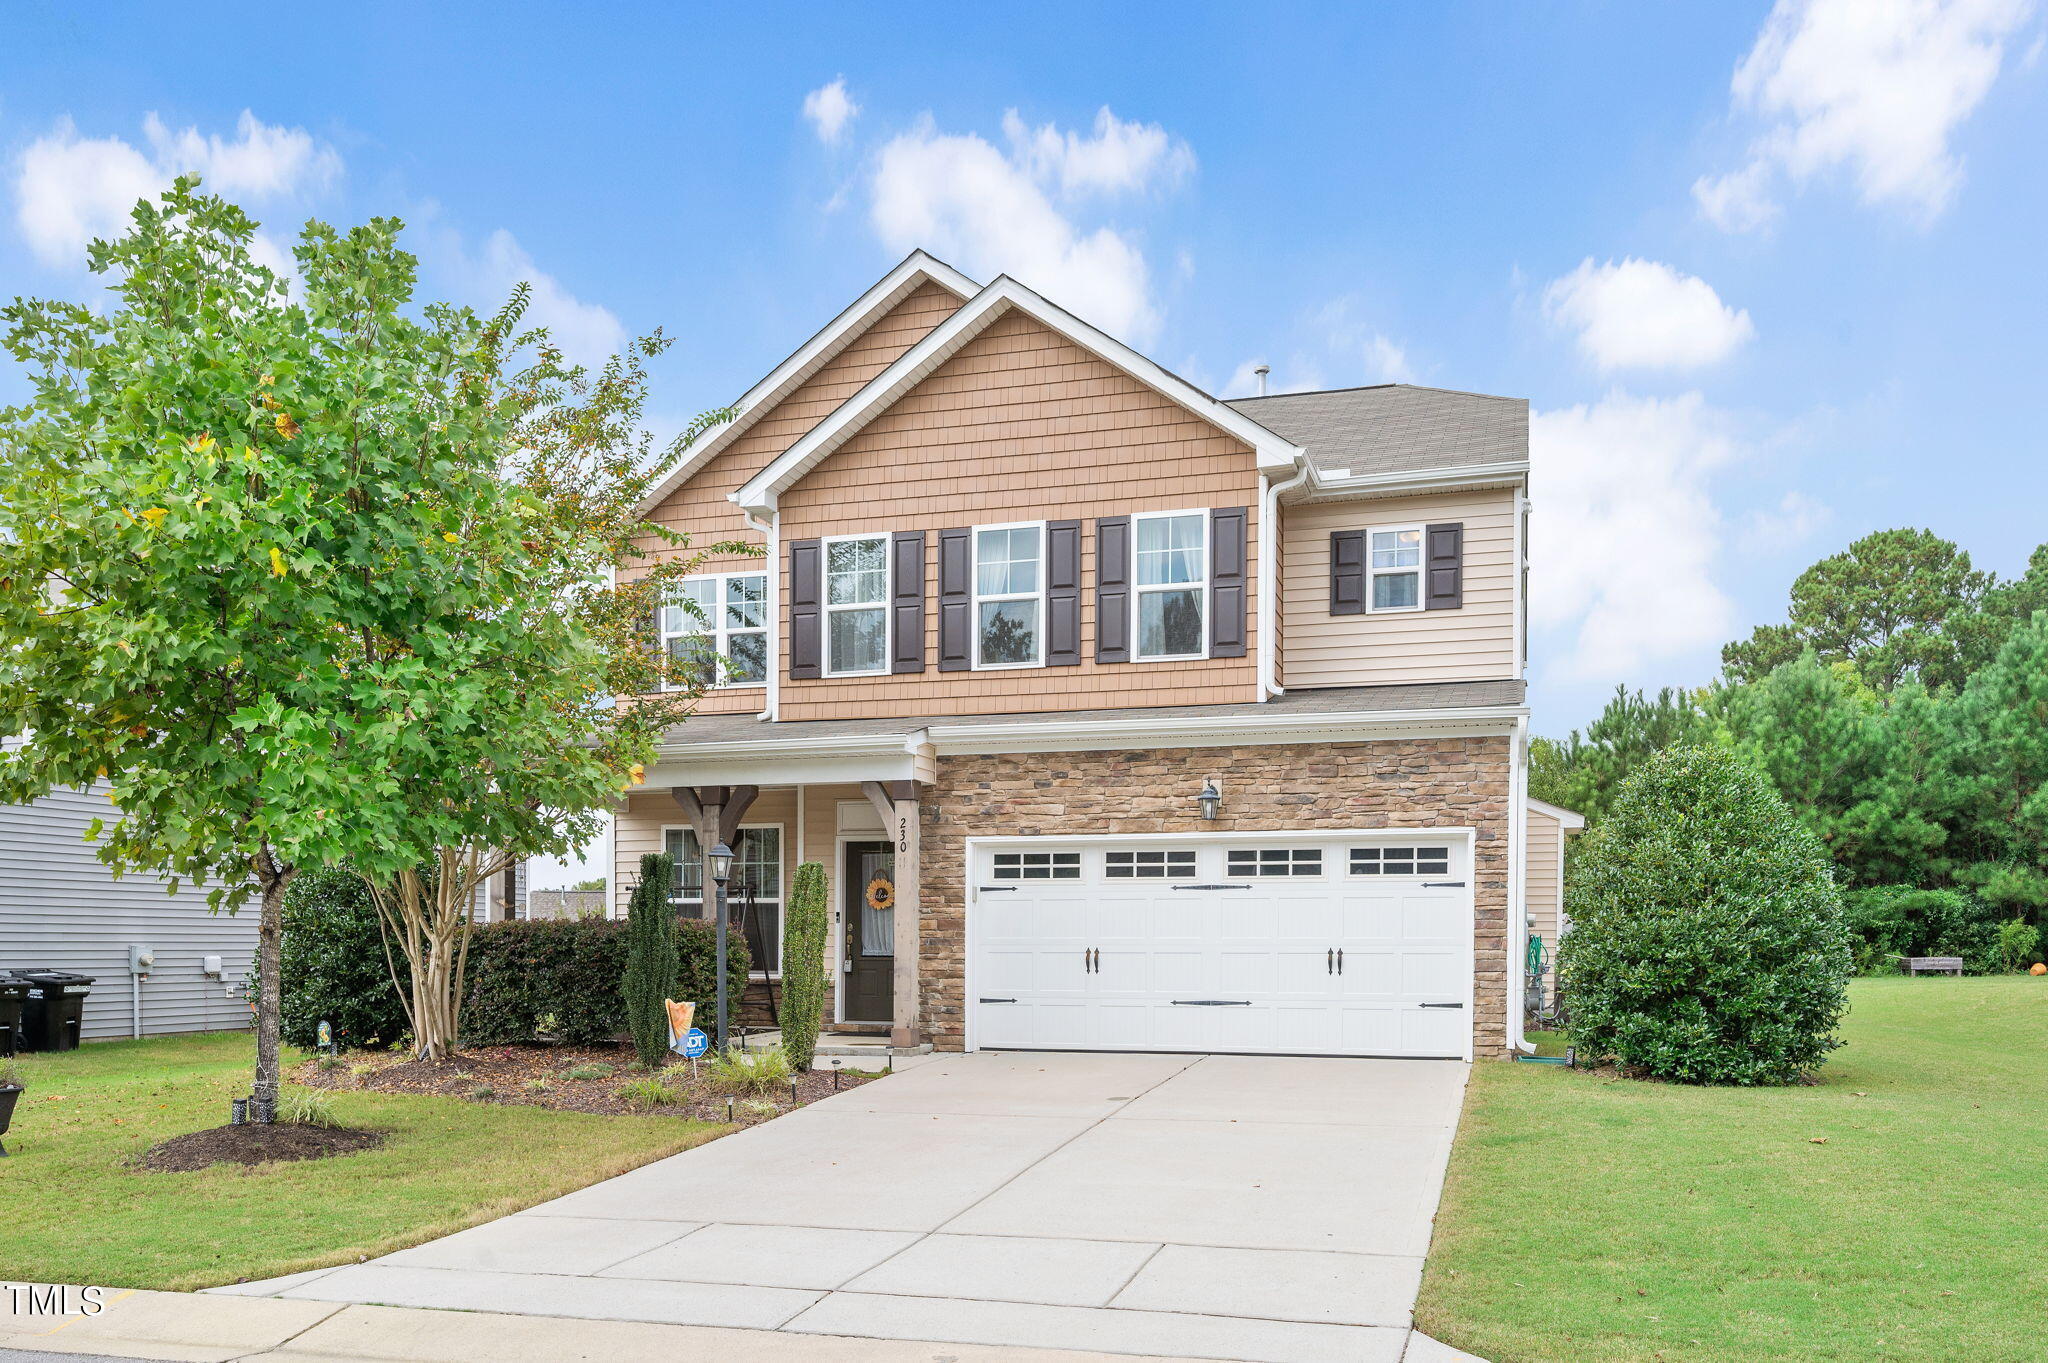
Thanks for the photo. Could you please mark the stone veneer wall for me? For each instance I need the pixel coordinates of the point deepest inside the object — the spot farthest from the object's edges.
(1405, 783)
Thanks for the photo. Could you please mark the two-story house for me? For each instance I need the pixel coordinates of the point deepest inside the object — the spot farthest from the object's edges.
(1122, 717)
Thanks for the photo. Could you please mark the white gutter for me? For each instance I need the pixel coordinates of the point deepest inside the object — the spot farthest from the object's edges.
(1518, 861)
(772, 698)
(1506, 472)
(1269, 575)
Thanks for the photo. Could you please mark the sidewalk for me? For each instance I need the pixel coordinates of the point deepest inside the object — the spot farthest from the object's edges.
(203, 1328)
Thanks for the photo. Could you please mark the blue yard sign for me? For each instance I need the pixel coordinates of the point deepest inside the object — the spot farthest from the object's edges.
(693, 1044)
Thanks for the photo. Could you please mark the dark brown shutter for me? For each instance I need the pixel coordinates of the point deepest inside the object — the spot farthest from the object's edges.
(1113, 589)
(1347, 572)
(806, 574)
(1226, 582)
(1063, 593)
(1443, 567)
(906, 600)
(956, 600)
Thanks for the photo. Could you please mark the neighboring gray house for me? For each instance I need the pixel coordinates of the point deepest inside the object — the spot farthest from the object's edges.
(60, 908)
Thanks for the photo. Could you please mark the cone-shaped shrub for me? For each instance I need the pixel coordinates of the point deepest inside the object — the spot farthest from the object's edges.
(651, 965)
(802, 1011)
(1707, 943)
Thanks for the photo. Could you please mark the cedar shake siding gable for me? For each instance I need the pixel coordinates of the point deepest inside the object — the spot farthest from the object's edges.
(701, 506)
(1022, 424)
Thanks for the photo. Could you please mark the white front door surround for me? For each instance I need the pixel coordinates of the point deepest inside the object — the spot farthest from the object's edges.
(1307, 942)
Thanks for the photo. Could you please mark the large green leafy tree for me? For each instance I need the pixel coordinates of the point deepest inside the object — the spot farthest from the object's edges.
(1895, 604)
(260, 567)
(2001, 736)
(1582, 772)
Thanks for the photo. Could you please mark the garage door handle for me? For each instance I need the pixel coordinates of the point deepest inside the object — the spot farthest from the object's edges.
(1440, 1005)
(996, 1000)
(1212, 1003)
(991, 889)
(1443, 884)
(1330, 961)
(1212, 887)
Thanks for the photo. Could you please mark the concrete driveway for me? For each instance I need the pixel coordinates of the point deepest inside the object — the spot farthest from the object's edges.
(1193, 1206)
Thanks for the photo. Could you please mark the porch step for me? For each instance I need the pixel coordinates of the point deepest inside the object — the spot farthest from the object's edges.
(840, 1045)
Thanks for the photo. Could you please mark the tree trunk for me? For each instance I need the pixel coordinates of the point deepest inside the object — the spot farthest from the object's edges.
(269, 1011)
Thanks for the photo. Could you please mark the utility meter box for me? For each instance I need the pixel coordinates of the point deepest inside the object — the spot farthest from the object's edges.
(210, 967)
(141, 960)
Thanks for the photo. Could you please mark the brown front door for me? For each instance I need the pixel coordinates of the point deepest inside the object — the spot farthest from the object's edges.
(870, 968)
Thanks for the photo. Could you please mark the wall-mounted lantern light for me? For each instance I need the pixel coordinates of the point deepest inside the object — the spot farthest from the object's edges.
(1210, 799)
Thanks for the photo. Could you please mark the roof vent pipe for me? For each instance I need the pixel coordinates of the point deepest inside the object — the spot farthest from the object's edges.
(1262, 371)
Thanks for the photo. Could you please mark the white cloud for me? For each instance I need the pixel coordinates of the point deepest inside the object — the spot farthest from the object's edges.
(71, 189)
(993, 212)
(1626, 546)
(588, 333)
(830, 109)
(1338, 349)
(1643, 314)
(1786, 526)
(1120, 158)
(1875, 86)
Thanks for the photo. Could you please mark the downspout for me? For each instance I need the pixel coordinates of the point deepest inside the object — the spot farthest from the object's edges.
(1269, 577)
(769, 529)
(1518, 862)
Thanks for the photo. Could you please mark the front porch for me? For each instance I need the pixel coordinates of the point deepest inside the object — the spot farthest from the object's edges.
(865, 835)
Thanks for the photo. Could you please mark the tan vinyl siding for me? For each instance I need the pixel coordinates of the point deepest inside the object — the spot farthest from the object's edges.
(699, 507)
(1543, 873)
(1023, 425)
(1474, 643)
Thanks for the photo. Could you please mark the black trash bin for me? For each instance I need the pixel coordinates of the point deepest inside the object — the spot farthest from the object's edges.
(55, 1011)
(13, 994)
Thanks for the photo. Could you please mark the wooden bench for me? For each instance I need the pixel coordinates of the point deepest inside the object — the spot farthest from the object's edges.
(1934, 965)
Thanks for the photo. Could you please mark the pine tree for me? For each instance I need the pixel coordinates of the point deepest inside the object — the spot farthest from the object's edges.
(803, 966)
(651, 962)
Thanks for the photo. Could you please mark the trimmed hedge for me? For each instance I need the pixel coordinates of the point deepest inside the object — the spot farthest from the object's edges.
(334, 967)
(1707, 942)
(802, 1013)
(562, 977)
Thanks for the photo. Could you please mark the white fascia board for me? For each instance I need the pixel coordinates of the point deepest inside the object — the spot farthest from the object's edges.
(1568, 818)
(915, 270)
(1501, 473)
(1223, 731)
(1273, 454)
(792, 761)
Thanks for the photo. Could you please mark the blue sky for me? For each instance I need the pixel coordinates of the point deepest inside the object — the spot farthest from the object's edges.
(1770, 279)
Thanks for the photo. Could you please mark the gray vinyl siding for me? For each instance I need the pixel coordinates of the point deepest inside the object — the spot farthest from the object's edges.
(59, 907)
(486, 903)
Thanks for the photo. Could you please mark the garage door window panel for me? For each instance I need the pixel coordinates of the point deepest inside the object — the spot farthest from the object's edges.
(1037, 866)
(1149, 864)
(1274, 861)
(1400, 861)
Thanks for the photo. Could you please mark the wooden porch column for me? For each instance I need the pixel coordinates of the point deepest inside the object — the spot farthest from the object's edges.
(715, 812)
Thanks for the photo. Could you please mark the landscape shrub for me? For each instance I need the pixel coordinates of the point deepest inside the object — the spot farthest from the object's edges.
(1892, 921)
(802, 1010)
(2019, 944)
(649, 979)
(306, 1107)
(334, 967)
(567, 972)
(750, 1072)
(1707, 941)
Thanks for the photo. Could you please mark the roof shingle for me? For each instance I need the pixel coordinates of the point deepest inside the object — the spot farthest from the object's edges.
(1395, 427)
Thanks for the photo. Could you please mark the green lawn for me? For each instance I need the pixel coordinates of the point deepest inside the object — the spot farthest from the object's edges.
(1589, 1219)
(73, 1210)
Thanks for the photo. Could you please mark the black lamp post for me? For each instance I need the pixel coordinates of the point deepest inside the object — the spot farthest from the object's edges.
(720, 858)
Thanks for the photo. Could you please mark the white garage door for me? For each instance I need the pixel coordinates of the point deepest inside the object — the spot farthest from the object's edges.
(1285, 944)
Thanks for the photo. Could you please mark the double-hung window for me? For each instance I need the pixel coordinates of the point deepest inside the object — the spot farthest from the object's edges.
(754, 888)
(1395, 566)
(1172, 584)
(1009, 595)
(856, 605)
(717, 627)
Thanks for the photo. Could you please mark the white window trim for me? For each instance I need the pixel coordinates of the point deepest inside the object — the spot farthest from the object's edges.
(1200, 587)
(781, 886)
(825, 602)
(716, 628)
(1420, 569)
(974, 568)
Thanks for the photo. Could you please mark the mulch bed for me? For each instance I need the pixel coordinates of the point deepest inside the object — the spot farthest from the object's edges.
(539, 1076)
(254, 1144)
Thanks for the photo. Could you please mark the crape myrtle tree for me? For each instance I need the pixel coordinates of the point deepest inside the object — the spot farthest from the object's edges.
(262, 570)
